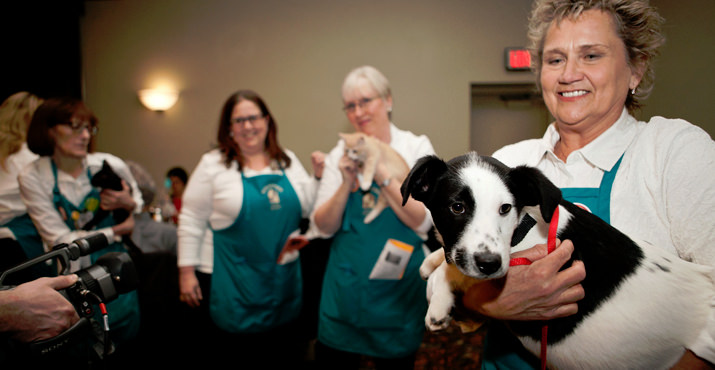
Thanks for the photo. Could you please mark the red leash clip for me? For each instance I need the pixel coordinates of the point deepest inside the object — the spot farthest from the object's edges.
(550, 246)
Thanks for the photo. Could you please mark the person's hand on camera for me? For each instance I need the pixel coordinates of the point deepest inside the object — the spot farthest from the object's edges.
(36, 310)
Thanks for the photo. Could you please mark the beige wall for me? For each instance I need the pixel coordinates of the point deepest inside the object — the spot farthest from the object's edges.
(296, 53)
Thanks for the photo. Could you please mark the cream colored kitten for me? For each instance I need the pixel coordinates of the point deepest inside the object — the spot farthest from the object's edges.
(368, 152)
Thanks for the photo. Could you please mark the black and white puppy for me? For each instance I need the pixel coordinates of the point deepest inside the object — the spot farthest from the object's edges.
(643, 306)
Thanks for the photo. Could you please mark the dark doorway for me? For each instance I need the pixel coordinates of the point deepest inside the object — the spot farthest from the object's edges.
(505, 114)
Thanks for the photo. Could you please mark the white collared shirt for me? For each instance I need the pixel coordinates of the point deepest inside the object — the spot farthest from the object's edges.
(213, 199)
(11, 204)
(663, 192)
(37, 182)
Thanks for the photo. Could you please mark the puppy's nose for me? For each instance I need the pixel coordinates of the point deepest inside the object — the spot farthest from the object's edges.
(487, 263)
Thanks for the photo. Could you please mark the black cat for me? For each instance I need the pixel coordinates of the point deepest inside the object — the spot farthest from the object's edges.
(106, 178)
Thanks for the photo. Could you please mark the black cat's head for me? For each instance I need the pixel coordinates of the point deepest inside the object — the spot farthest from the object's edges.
(106, 178)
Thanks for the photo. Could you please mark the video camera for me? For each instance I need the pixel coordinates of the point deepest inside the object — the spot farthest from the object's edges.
(112, 274)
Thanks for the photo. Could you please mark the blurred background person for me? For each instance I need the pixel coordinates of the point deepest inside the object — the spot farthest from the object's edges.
(252, 194)
(380, 318)
(19, 239)
(150, 236)
(60, 199)
(176, 179)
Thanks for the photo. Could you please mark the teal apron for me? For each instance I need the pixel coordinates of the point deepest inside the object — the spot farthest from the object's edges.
(29, 239)
(124, 310)
(499, 344)
(250, 292)
(380, 318)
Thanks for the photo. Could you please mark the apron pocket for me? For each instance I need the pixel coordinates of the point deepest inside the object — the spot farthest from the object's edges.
(388, 304)
(340, 299)
(253, 284)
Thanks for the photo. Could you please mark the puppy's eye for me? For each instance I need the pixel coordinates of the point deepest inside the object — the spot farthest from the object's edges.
(457, 208)
(504, 209)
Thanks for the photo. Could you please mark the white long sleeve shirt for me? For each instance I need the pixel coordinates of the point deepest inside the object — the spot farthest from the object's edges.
(213, 199)
(410, 146)
(663, 192)
(11, 204)
(37, 182)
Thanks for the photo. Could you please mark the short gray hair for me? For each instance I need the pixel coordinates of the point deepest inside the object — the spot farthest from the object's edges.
(368, 74)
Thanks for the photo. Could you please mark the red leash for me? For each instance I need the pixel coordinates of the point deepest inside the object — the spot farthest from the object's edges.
(550, 246)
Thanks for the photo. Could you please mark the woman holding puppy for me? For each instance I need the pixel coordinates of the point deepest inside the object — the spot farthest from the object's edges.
(653, 180)
(365, 310)
(251, 194)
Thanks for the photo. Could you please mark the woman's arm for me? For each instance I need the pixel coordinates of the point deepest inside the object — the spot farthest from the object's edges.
(36, 183)
(329, 215)
(413, 213)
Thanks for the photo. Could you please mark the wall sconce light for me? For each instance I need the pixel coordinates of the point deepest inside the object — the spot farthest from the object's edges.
(158, 100)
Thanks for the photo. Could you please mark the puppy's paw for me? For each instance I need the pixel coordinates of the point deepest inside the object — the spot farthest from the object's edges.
(426, 270)
(438, 313)
(437, 324)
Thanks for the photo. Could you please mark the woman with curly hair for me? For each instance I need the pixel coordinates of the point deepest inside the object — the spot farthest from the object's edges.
(652, 180)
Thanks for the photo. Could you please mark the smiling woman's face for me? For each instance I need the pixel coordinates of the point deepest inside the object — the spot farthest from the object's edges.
(585, 76)
(369, 113)
(250, 134)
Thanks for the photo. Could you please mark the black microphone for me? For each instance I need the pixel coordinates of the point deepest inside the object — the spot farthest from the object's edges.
(90, 244)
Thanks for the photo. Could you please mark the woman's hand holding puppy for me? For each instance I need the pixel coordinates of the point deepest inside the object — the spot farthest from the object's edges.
(538, 291)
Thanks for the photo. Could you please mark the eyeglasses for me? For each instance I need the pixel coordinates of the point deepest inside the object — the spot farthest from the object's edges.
(78, 125)
(242, 120)
(362, 103)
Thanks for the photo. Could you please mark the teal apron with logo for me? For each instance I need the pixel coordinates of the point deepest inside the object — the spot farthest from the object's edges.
(29, 239)
(250, 291)
(124, 315)
(499, 348)
(376, 317)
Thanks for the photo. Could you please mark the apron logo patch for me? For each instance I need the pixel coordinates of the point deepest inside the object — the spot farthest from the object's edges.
(272, 192)
(91, 204)
(368, 201)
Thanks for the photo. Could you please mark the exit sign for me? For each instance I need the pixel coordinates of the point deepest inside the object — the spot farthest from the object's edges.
(517, 59)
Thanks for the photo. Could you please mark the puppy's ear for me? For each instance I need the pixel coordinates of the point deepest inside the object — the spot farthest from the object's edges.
(421, 180)
(530, 188)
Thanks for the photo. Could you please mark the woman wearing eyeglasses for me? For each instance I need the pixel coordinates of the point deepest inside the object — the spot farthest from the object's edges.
(251, 194)
(60, 199)
(362, 311)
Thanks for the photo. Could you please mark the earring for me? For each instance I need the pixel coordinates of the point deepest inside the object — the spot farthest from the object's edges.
(633, 91)
(230, 134)
(389, 109)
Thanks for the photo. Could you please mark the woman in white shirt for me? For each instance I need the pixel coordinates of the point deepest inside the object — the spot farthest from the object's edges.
(19, 239)
(365, 314)
(654, 181)
(60, 199)
(251, 194)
